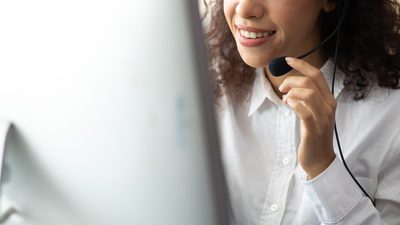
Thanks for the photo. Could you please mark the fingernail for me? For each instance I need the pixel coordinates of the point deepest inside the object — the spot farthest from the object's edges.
(289, 59)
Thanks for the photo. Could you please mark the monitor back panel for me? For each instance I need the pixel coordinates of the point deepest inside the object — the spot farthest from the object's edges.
(108, 120)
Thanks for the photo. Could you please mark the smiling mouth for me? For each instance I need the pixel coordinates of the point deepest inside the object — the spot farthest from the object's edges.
(255, 35)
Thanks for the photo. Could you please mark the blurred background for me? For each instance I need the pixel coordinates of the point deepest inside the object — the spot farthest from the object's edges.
(108, 124)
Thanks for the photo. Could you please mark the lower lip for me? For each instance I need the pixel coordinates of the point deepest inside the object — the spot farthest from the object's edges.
(247, 42)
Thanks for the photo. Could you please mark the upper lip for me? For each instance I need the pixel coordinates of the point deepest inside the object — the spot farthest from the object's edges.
(252, 29)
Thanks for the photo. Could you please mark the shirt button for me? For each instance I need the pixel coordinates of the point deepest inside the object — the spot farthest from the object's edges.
(285, 161)
(274, 207)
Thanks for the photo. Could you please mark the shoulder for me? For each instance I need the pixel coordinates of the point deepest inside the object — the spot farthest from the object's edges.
(392, 106)
(375, 119)
(382, 101)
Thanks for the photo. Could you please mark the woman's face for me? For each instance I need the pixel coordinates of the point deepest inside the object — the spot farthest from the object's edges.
(266, 29)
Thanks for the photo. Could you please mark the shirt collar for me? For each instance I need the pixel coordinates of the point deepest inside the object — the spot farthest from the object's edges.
(262, 88)
(327, 71)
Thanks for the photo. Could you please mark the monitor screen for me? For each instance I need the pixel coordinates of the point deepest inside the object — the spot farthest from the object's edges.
(113, 119)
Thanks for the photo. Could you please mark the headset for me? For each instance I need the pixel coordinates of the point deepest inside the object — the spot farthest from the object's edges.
(279, 67)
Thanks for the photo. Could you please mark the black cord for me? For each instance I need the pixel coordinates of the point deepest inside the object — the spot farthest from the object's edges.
(336, 133)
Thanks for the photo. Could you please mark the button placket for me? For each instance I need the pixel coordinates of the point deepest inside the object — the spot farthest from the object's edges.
(275, 201)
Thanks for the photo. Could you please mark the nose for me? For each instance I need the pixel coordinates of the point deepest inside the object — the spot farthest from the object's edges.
(250, 9)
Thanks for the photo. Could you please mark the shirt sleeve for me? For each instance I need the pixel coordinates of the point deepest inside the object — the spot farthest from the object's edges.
(337, 199)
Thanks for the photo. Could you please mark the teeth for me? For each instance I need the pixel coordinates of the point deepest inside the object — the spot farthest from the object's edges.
(253, 35)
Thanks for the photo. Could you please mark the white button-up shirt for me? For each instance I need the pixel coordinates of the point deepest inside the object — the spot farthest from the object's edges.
(266, 184)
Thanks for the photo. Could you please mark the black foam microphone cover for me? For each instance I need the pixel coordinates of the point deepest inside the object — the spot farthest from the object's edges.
(279, 66)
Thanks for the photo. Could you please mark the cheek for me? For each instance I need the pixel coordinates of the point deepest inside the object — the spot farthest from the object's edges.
(229, 10)
(297, 17)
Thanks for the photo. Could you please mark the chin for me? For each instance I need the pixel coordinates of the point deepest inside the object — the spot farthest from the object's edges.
(256, 60)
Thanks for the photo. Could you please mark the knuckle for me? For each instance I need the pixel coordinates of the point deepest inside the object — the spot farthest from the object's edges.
(310, 95)
(316, 73)
(306, 82)
(301, 62)
(308, 117)
(319, 133)
(298, 106)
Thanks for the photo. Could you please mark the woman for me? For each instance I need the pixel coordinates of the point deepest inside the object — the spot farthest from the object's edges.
(281, 156)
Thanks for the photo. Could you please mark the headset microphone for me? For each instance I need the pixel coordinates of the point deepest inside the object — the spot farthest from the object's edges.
(279, 67)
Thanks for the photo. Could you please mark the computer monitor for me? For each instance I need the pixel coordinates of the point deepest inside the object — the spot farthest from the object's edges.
(112, 113)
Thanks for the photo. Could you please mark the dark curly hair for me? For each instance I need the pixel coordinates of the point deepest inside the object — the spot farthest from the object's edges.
(369, 48)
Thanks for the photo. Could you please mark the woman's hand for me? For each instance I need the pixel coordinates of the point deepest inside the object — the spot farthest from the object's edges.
(310, 97)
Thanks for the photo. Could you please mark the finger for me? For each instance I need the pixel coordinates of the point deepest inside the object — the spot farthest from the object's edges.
(310, 71)
(305, 115)
(321, 111)
(297, 82)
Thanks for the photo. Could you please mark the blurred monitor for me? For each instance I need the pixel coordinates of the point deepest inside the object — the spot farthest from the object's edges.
(112, 113)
